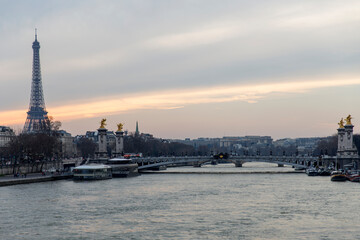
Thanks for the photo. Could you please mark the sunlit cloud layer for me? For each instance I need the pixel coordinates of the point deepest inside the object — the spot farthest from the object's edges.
(174, 99)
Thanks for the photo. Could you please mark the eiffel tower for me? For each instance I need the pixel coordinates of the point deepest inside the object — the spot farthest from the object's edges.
(37, 119)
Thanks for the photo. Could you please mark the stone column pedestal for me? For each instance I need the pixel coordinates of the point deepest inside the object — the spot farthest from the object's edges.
(102, 143)
(119, 148)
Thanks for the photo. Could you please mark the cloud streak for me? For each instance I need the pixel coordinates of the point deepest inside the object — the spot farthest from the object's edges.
(174, 99)
(209, 35)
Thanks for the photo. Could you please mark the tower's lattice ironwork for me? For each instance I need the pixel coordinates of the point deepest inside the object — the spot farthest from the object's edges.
(37, 119)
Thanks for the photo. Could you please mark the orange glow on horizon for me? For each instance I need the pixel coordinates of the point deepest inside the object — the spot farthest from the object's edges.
(173, 99)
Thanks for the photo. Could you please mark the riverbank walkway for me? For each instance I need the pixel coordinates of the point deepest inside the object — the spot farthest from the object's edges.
(9, 180)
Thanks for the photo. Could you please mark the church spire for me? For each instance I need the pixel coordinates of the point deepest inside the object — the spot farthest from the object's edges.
(137, 129)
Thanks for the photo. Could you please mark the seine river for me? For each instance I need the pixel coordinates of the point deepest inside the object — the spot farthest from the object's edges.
(185, 206)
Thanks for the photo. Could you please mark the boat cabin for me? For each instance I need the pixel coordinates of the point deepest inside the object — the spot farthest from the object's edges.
(92, 172)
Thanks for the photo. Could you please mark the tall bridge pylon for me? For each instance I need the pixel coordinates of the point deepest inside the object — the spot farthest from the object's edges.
(37, 119)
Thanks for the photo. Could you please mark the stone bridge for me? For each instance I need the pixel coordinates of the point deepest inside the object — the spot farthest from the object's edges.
(197, 161)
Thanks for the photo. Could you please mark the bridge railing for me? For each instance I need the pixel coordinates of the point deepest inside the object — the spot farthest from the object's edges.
(296, 161)
(244, 158)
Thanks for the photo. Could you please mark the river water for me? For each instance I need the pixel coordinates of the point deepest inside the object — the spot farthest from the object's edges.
(185, 206)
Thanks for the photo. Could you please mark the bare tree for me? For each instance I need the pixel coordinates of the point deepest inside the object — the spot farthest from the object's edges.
(327, 146)
(87, 147)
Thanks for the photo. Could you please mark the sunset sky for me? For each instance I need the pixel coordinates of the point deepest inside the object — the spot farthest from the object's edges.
(185, 68)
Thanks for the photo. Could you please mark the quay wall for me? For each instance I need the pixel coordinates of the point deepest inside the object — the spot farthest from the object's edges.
(33, 180)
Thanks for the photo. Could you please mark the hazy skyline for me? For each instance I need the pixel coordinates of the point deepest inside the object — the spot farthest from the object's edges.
(185, 68)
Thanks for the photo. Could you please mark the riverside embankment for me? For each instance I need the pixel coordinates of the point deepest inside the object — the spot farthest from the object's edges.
(30, 178)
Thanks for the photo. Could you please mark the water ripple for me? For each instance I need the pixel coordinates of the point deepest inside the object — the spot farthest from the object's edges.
(167, 206)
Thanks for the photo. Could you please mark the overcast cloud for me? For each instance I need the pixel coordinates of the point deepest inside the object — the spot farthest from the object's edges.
(105, 52)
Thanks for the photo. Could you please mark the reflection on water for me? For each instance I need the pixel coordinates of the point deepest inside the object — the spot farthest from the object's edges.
(184, 206)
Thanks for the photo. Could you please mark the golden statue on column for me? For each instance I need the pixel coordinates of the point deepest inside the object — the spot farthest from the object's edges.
(348, 120)
(341, 123)
(103, 123)
(120, 127)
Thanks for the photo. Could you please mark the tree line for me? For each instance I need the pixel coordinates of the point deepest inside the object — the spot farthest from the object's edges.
(329, 145)
(156, 147)
(33, 148)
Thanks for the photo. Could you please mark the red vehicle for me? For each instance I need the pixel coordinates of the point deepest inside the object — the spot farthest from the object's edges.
(132, 155)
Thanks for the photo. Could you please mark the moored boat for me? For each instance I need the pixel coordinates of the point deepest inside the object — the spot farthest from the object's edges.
(123, 167)
(311, 172)
(92, 172)
(300, 168)
(353, 176)
(323, 172)
(338, 176)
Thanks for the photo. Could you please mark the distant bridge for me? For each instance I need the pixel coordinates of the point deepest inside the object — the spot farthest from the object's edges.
(197, 161)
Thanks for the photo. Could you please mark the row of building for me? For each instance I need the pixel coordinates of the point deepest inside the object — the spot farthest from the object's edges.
(237, 144)
(69, 143)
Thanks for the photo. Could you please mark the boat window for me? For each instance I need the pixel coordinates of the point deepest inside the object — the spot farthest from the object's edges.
(86, 171)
